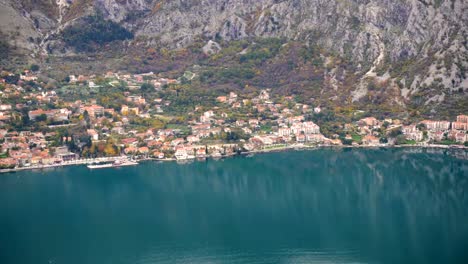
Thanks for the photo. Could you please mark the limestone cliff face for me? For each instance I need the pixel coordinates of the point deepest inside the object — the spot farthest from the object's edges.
(358, 27)
(372, 33)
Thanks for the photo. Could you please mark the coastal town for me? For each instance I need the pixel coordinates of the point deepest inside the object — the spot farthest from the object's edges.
(84, 119)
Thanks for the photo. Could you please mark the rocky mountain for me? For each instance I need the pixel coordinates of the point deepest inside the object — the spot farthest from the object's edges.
(417, 49)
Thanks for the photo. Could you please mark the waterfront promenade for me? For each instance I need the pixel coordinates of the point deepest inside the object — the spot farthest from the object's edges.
(265, 149)
(65, 163)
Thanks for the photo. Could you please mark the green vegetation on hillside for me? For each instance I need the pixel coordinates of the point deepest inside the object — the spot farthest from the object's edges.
(263, 50)
(4, 47)
(94, 31)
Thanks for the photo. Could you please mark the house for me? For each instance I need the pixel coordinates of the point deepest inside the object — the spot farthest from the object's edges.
(247, 130)
(295, 119)
(284, 132)
(202, 127)
(201, 153)
(93, 134)
(416, 136)
(253, 122)
(181, 153)
(130, 150)
(221, 99)
(462, 118)
(28, 77)
(5, 107)
(139, 100)
(72, 78)
(126, 110)
(305, 127)
(118, 130)
(82, 78)
(461, 137)
(369, 121)
(159, 155)
(205, 119)
(8, 163)
(109, 111)
(460, 126)
(240, 123)
(436, 125)
(232, 97)
(209, 114)
(64, 154)
(55, 114)
(436, 136)
(370, 140)
(315, 138)
(4, 116)
(336, 142)
(177, 141)
(130, 141)
(193, 139)
(93, 110)
(236, 105)
(262, 140)
(215, 131)
(409, 129)
(300, 138)
(143, 150)
(264, 95)
(36, 113)
(310, 128)
(412, 133)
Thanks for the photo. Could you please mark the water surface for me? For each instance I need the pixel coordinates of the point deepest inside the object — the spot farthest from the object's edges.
(322, 206)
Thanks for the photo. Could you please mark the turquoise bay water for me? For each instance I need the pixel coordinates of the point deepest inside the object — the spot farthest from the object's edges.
(321, 206)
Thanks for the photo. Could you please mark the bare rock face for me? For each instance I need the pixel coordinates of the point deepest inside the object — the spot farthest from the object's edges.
(362, 29)
(357, 27)
(211, 48)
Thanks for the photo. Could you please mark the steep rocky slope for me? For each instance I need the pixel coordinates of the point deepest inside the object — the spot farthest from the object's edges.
(415, 47)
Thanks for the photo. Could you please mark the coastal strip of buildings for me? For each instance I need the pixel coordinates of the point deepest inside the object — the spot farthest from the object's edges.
(235, 124)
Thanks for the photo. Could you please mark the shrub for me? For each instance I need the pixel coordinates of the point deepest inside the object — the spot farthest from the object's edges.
(34, 67)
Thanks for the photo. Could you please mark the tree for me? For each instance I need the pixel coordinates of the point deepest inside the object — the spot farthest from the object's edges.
(147, 87)
(34, 67)
(400, 140)
(110, 150)
(86, 118)
(395, 132)
(93, 31)
(41, 118)
(421, 127)
(347, 141)
(4, 47)
(12, 79)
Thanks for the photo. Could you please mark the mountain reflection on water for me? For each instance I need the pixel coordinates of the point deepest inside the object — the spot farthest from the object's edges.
(321, 206)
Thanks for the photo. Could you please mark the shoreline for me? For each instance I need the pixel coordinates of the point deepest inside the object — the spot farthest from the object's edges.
(293, 147)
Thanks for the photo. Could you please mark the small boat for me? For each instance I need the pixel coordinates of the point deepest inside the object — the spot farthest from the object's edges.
(115, 164)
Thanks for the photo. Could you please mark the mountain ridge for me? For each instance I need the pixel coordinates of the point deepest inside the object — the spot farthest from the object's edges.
(418, 48)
